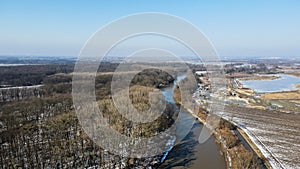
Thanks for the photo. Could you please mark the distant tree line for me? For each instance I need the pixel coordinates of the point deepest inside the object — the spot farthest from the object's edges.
(28, 75)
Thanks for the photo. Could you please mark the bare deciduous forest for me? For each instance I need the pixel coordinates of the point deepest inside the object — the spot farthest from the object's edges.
(39, 128)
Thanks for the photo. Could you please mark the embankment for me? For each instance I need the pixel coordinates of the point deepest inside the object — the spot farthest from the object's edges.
(238, 149)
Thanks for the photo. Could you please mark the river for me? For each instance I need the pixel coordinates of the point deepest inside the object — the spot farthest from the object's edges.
(188, 153)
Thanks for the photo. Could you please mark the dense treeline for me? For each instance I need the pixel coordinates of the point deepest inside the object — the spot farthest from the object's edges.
(28, 75)
(153, 77)
(257, 68)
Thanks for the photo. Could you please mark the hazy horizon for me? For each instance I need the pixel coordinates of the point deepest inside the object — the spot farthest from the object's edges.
(236, 28)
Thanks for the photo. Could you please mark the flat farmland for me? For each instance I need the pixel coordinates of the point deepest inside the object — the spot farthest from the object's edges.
(276, 134)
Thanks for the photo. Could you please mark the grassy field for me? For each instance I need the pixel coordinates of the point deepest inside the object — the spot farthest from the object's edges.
(259, 78)
(293, 95)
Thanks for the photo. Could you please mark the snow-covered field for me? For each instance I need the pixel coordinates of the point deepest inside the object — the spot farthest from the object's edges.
(276, 134)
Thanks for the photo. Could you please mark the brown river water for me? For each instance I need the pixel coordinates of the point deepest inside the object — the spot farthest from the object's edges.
(189, 153)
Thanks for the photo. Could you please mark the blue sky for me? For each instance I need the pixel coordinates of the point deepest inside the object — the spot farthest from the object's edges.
(235, 27)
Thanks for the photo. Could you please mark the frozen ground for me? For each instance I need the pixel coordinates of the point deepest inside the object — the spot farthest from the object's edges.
(276, 134)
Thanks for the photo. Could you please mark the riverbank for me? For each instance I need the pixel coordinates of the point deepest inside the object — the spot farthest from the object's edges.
(187, 152)
(235, 150)
(218, 140)
(229, 143)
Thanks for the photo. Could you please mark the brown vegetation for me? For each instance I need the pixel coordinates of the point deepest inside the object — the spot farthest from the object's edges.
(282, 95)
(293, 72)
(240, 156)
(259, 78)
(44, 132)
(177, 95)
